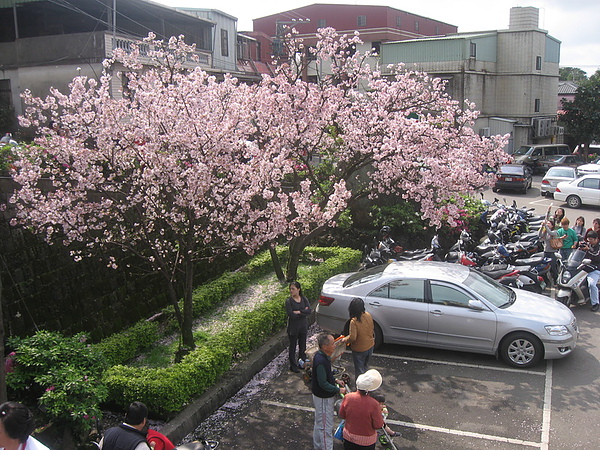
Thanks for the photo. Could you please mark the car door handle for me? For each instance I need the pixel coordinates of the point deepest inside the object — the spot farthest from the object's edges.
(376, 304)
(436, 312)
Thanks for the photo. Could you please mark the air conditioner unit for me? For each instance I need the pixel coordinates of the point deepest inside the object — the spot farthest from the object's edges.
(542, 127)
(485, 132)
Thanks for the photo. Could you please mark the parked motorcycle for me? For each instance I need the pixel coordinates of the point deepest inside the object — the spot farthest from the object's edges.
(573, 287)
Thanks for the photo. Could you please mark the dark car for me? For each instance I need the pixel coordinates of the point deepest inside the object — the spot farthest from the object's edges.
(562, 160)
(515, 177)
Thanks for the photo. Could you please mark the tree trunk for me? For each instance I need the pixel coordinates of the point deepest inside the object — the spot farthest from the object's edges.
(297, 245)
(277, 264)
(188, 310)
(174, 301)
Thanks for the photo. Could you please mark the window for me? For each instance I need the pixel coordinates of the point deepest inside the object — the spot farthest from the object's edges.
(409, 290)
(551, 151)
(538, 63)
(448, 295)
(376, 46)
(437, 30)
(361, 21)
(398, 21)
(416, 25)
(224, 43)
(5, 93)
(590, 183)
(473, 50)
(536, 107)
(321, 23)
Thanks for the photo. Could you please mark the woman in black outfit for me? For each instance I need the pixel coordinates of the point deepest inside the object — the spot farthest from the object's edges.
(298, 309)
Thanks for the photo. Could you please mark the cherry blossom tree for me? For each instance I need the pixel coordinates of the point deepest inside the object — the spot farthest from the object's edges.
(183, 166)
(155, 173)
(372, 134)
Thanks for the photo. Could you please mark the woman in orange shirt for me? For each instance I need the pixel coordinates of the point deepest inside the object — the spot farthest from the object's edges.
(361, 336)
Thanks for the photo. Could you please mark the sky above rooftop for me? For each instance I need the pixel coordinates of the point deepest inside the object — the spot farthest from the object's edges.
(573, 22)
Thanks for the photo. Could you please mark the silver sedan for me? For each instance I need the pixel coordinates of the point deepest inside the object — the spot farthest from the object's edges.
(450, 306)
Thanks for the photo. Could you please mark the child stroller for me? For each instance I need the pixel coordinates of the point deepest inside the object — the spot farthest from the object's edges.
(338, 369)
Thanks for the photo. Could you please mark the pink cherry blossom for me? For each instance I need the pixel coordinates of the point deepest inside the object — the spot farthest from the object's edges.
(182, 166)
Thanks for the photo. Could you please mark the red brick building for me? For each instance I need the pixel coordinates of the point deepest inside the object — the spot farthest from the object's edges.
(376, 24)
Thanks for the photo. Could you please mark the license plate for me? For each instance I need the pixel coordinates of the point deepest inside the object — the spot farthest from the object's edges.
(543, 285)
(508, 179)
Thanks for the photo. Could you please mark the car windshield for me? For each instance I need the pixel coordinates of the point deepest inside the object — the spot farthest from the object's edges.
(560, 172)
(495, 293)
(522, 150)
(365, 276)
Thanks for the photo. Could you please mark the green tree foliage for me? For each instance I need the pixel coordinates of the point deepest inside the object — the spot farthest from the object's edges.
(582, 115)
(572, 74)
(61, 374)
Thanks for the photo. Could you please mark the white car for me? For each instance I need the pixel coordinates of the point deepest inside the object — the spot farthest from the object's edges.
(593, 167)
(581, 191)
(556, 175)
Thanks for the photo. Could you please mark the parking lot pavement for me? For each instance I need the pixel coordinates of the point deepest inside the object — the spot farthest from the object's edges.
(444, 400)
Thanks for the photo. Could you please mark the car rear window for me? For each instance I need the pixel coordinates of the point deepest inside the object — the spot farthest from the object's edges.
(560, 172)
(511, 170)
(365, 275)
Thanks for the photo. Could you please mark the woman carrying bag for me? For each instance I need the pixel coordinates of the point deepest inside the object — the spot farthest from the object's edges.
(361, 336)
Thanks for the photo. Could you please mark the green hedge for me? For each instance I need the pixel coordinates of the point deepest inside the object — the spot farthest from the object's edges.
(168, 390)
(121, 347)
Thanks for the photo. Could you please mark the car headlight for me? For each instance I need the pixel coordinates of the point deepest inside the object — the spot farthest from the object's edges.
(557, 330)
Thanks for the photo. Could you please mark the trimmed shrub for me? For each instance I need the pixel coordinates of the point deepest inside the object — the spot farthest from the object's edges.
(168, 390)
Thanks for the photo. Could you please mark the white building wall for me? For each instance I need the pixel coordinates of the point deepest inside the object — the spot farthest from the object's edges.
(223, 60)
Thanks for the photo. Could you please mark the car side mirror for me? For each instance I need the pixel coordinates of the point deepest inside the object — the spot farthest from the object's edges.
(476, 305)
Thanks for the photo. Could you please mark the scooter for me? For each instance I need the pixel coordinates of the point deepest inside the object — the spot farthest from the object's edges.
(573, 287)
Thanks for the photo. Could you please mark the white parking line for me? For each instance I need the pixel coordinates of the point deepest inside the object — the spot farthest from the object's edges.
(450, 363)
(418, 426)
(547, 407)
(487, 437)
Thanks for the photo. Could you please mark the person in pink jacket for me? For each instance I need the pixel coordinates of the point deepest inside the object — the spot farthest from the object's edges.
(362, 413)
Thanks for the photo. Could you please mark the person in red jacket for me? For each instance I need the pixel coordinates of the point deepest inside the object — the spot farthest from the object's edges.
(158, 441)
(362, 413)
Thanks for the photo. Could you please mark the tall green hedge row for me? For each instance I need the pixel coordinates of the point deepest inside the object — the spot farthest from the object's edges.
(167, 390)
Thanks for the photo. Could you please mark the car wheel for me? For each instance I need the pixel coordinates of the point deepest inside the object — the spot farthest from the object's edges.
(522, 350)
(573, 201)
(564, 300)
(378, 336)
(494, 189)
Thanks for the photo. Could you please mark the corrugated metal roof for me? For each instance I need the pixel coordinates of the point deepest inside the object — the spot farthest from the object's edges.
(450, 37)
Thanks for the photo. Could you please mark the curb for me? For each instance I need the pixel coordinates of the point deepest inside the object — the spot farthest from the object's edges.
(232, 381)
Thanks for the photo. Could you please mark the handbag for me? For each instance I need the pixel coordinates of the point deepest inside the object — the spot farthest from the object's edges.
(339, 432)
(556, 243)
